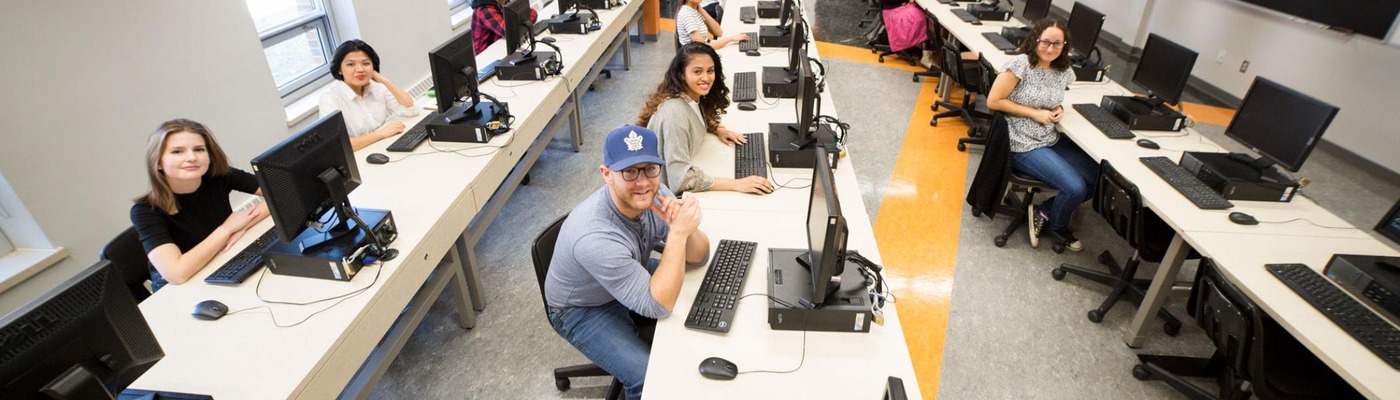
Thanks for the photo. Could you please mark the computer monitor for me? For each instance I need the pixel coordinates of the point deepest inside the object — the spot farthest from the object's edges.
(1034, 10)
(85, 339)
(1084, 25)
(797, 45)
(453, 65)
(566, 5)
(308, 176)
(787, 10)
(517, 19)
(1281, 124)
(1390, 224)
(1163, 69)
(808, 100)
(826, 231)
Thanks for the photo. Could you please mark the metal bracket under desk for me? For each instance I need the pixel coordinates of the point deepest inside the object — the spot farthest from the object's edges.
(466, 245)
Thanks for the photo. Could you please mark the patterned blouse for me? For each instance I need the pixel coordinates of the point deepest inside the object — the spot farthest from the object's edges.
(1039, 88)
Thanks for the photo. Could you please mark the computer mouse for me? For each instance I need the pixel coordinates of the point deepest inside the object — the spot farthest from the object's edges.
(753, 53)
(978, 22)
(547, 40)
(1243, 219)
(1148, 144)
(718, 369)
(209, 310)
(377, 158)
(747, 106)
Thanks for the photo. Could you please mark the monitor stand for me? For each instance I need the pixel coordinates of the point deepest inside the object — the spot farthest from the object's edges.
(138, 394)
(845, 310)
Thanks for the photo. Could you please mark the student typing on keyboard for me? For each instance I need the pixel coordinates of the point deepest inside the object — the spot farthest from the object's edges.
(686, 107)
(368, 100)
(1029, 91)
(185, 219)
(604, 290)
(694, 25)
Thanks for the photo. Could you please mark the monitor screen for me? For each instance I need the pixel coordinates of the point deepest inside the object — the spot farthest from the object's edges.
(1390, 224)
(453, 65)
(826, 230)
(517, 18)
(807, 105)
(1279, 123)
(298, 175)
(1164, 68)
(84, 339)
(1084, 26)
(1035, 10)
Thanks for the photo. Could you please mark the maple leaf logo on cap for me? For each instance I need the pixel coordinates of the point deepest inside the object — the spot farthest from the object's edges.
(634, 141)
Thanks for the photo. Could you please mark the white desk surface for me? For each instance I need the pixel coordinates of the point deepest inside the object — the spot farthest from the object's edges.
(1242, 259)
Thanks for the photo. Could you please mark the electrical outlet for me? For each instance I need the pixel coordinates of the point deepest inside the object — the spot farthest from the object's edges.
(1220, 57)
(1244, 66)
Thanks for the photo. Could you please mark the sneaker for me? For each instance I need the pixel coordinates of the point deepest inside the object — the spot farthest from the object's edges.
(1072, 243)
(1034, 222)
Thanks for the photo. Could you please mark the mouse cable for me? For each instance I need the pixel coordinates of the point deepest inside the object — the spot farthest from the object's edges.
(784, 185)
(1308, 221)
(339, 299)
(800, 361)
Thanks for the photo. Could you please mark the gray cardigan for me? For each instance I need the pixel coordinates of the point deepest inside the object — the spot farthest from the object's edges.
(681, 131)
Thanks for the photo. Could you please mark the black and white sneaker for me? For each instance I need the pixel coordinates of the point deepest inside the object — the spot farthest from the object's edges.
(1035, 220)
(1072, 243)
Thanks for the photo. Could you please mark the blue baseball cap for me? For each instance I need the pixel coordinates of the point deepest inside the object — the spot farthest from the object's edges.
(630, 145)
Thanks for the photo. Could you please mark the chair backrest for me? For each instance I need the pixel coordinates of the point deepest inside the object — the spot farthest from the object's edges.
(1228, 318)
(543, 251)
(128, 257)
(952, 62)
(1118, 201)
(989, 73)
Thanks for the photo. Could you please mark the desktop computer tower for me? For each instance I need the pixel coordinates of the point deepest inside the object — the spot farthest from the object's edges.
(515, 67)
(848, 309)
(582, 23)
(1237, 179)
(1374, 280)
(1015, 35)
(1088, 73)
(478, 129)
(773, 36)
(781, 153)
(777, 84)
(338, 259)
(1141, 117)
(769, 9)
(989, 13)
(599, 4)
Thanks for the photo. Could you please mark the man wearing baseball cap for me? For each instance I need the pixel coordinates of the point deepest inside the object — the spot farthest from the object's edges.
(604, 289)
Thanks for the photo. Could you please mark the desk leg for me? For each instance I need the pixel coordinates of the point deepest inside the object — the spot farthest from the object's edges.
(627, 43)
(575, 122)
(1157, 294)
(471, 271)
(945, 87)
(466, 314)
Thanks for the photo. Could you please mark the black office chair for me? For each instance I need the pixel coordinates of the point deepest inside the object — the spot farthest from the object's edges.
(1118, 201)
(1019, 189)
(541, 253)
(128, 257)
(935, 43)
(1254, 356)
(977, 132)
(968, 74)
(879, 39)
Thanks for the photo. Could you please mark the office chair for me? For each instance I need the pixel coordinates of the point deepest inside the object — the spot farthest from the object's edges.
(1015, 183)
(968, 74)
(1254, 356)
(935, 43)
(1118, 201)
(541, 253)
(129, 257)
(977, 132)
(866, 19)
(880, 39)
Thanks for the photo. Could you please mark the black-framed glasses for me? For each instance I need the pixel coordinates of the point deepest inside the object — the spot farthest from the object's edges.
(1051, 44)
(631, 174)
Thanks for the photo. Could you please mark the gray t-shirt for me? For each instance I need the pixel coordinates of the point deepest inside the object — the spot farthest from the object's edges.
(1039, 88)
(601, 256)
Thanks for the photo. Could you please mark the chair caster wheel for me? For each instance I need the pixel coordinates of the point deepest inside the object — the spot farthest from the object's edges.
(916, 79)
(1000, 241)
(962, 147)
(1058, 274)
(1059, 248)
(561, 383)
(526, 180)
(1141, 373)
(934, 107)
(1171, 329)
(976, 212)
(1095, 316)
(933, 122)
(882, 60)
(1105, 258)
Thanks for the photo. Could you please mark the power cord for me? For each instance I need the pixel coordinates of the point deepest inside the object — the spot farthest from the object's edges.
(1308, 221)
(257, 290)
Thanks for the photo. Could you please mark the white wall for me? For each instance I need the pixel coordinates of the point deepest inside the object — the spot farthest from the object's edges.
(402, 32)
(1122, 16)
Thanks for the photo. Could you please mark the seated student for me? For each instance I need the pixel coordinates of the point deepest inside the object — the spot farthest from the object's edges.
(1030, 90)
(604, 290)
(712, 8)
(696, 26)
(185, 219)
(488, 24)
(366, 98)
(683, 109)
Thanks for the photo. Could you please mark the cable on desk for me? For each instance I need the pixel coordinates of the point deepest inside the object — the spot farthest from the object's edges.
(800, 361)
(1308, 221)
(257, 290)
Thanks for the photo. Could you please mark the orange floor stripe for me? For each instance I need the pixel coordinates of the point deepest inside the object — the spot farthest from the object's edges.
(667, 24)
(863, 54)
(1209, 114)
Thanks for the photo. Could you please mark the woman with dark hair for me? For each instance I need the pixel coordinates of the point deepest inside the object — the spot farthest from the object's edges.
(488, 24)
(366, 98)
(684, 108)
(1029, 90)
(185, 219)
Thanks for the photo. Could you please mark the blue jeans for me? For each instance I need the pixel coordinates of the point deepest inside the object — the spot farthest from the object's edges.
(611, 336)
(713, 10)
(1065, 167)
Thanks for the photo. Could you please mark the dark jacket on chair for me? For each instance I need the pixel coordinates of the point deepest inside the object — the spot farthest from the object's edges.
(989, 182)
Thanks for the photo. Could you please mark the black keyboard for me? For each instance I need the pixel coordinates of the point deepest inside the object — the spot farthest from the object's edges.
(750, 158)
(1107, 123)
(245, 262)
(1203, 196)
(745, 87)
(751, 44)
(999, 41)
(411, 138)
(966, 16)
(748, 14)
(1350, 315)
(714, 304)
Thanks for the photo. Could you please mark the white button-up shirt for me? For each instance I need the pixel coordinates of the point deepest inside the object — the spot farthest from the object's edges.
(363, 114)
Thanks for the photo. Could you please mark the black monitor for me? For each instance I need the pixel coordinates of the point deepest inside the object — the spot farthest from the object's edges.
(1084, 26)
(84, 339)
(797, 45)
(1390, 224)
(1034, 10)
(808, 100)
(826, 231)
(1281, 124)
(1163, 69)
(306, 178)
(566, 5)
(517, 19)
(453, 65)
(787, 10)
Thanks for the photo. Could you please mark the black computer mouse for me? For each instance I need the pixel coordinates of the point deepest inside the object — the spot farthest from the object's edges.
(1243, 219)
(753, 53)
(377, 158)
(977, 22)
(209, 310)
(747, 106)
(547, 40)
(718, 369)
(1148, 144)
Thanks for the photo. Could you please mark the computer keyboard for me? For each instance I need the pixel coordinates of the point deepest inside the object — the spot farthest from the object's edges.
(411, 138)
(245, 262)
(751, 44)
(999, 41)
(750, 158)
(748, 14)
(966, 16)
(1107, 123)
(1203, 196)
(714, 304)
(745, 87)
(1350, 315)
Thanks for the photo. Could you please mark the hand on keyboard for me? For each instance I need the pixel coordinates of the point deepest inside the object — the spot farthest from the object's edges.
(392, 128)
(731, 137)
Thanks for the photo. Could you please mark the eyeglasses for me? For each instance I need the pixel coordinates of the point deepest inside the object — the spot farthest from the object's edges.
(1050, 44)
(631, 174)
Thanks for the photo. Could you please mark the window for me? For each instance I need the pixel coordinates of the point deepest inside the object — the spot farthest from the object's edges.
(455, 6)
(297, 40)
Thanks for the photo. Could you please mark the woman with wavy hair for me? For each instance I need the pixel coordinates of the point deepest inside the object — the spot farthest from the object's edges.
(685, 107)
